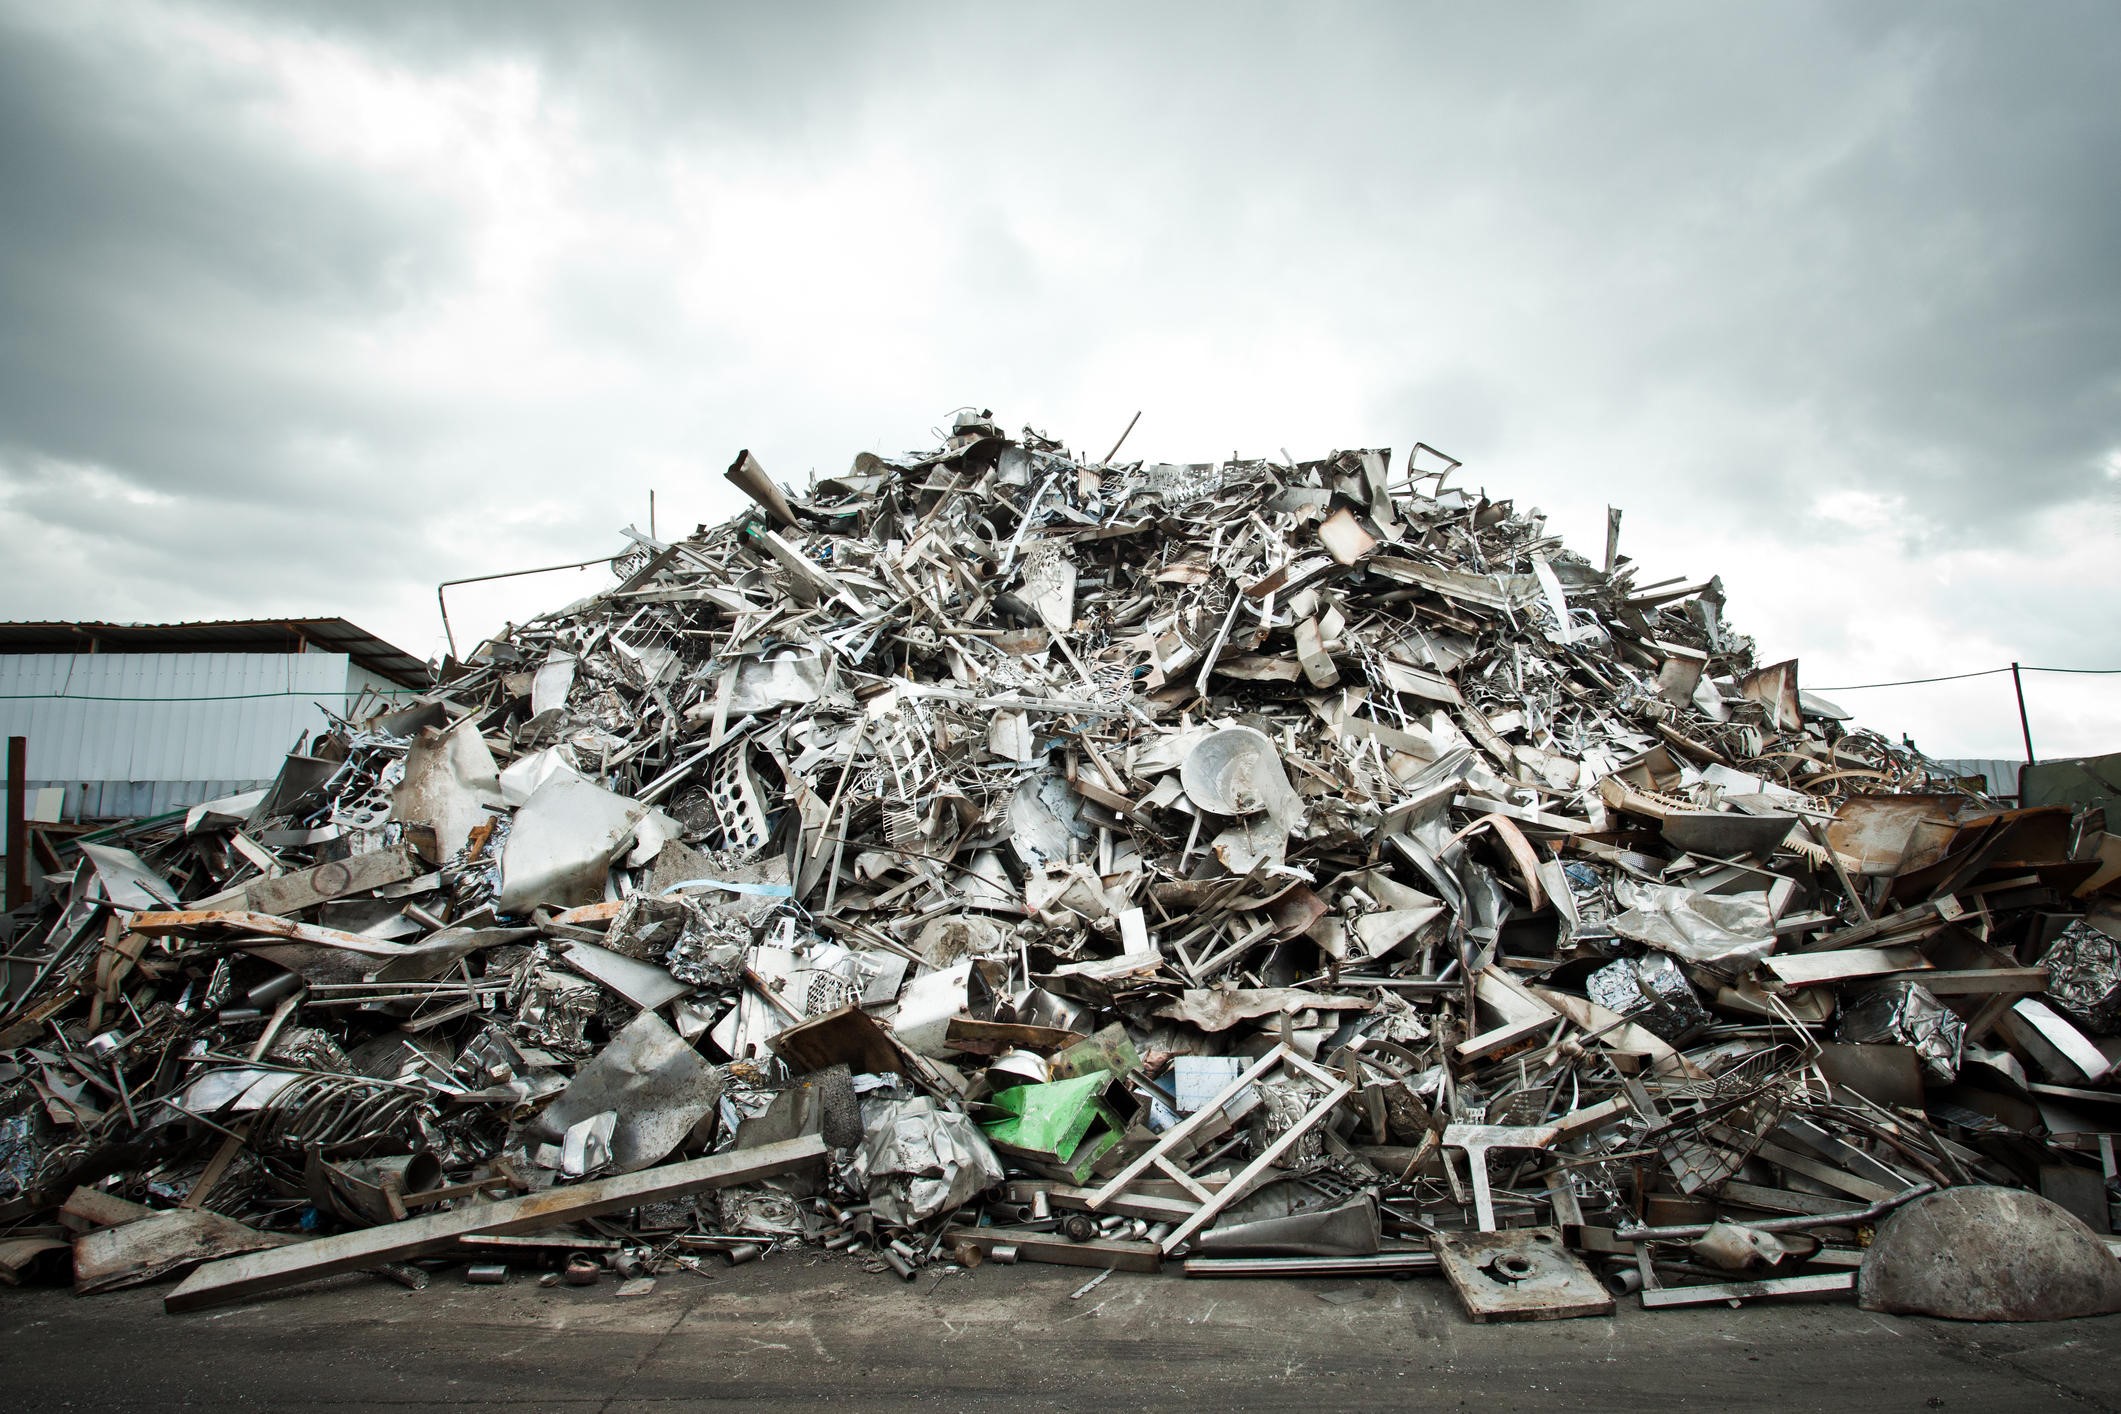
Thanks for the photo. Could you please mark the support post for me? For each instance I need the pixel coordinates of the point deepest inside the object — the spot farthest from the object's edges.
(17, 821)
(2024, 724)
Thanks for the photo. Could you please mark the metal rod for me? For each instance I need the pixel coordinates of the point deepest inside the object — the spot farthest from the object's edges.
(1688, 1232)
(2024, 724)
(1380, 1264)
(443, 604)
(1122, 438)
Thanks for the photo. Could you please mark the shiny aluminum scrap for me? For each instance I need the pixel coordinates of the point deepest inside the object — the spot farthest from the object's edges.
(1357, 864)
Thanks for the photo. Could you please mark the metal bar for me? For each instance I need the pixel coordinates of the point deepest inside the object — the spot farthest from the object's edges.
(443, 604)
(1122, 438)
(236, 1278)
(1690, 1231)
(1747, 1290)
(1382, 1264)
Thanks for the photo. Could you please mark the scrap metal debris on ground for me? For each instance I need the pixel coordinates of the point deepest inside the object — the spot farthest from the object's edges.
(1234, 868)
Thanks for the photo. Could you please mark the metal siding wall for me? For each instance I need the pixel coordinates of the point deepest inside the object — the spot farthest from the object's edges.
(126, 800)
(359, 679)
(2002, 775)
(120, 758)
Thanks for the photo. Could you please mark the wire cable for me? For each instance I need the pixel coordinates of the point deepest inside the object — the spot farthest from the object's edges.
(415, 691)
(1956, 677)
(224, 697)
(1908, 682)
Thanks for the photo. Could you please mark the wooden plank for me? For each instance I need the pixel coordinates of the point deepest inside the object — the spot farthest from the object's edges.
(291, 893)
(90, 1208)
(18, 1254)
(591, 913)
(240, 1277)
(240, 920)
(160, 1244)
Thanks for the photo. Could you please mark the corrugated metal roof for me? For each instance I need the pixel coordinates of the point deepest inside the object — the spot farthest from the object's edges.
(221, 636)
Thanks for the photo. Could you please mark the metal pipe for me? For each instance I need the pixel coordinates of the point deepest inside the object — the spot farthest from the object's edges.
(1381, 1263)
(1122, 438)
(1622, 1280)
(1689, 1231)
(443, 604)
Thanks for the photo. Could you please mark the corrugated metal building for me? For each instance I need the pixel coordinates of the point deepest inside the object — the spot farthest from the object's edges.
(137, 719)
(2002, 776)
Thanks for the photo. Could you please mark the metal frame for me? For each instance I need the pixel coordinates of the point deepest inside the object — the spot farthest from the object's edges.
(1158, 1155)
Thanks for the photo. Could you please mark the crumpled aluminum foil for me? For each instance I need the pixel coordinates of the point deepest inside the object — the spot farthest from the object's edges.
(2084, 978)
(555, 1010)
(917, 1160)
(1905, 1014)
(20, 1154)
(1651, 991)
(1730, 931)
(1287, 1101)
(710, 949)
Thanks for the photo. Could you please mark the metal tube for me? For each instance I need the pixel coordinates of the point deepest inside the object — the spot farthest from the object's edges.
(1122, 438)
(1689, 1231)
(443, 604)
(1381, 1263)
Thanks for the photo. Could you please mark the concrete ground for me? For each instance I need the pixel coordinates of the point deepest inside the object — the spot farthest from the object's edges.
(807, 1329)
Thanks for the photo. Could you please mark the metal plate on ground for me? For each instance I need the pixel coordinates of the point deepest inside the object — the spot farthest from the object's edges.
(1521, 1274)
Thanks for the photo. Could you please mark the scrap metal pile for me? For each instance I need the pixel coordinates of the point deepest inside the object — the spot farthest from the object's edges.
(999, 854)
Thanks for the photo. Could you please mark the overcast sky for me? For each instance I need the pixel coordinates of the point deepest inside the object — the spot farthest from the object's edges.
(304, 308)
